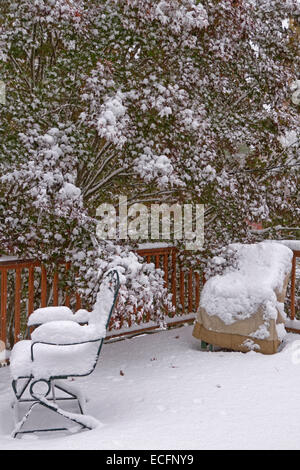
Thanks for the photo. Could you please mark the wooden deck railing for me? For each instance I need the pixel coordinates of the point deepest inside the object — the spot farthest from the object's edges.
(27, 285)
(184, 284)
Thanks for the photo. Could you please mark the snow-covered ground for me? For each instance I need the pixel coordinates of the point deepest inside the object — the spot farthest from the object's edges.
(174, 396)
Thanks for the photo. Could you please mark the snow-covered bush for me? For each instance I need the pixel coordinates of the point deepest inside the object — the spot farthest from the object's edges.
(154, 99)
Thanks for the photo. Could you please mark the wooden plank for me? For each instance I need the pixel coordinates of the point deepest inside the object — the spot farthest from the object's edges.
(43, 287)
(30, 290)
(156, 261)
(166, 270)
(17, 305)
(55, 289)
(182, 291)
(197, 293)
(190, 291)
(292, 330)
(149, 329)
(78, 302)
(3, 304)
(67, 299)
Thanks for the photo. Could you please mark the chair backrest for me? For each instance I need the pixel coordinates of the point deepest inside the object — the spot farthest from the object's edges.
(106, 301)
(104, 307)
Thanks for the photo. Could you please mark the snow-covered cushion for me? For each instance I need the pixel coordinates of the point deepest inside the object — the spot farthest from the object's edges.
(64, 332)
(20, 360)
(49, 314)
(51, 360)
(68, 360)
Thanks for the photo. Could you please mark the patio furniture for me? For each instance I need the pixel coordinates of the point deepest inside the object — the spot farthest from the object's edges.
(58, 350)
(243, 309)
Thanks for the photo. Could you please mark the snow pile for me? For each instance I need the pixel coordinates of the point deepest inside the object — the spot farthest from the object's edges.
(292, 244)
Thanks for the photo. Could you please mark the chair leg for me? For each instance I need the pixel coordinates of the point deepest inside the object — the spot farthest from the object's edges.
(39, 397)
(20, 424)
(15, 407)
(86, 422)
(74, 392)
(15, 387)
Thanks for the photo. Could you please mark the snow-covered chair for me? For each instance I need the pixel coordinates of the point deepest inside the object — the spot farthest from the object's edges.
(61, 348)
(243, 309)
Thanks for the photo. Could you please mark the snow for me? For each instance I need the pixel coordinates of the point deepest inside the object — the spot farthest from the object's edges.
(174, 396)
(295, 87)
(70, 191)
(6, 259)
(64, 332)
(57, 345)
(292, 244)
(49, 314)
(295, 324)
(51, 360)
(53, 314)
(151, 245)
(21, 364)
(237, 295)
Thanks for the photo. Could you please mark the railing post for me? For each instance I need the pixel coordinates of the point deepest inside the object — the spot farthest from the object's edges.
(182, 290)
(190, 291)
(174, 278)
(43, 286)
(197, 294)
(30, 290)
(18, 305)
(3, 304)
(67, 300)
(55, 289)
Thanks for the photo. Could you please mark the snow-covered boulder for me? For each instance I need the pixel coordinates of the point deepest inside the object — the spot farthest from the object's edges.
(243, 309)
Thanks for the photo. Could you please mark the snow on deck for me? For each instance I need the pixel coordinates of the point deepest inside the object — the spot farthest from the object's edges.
(292, 244)
(174, 396)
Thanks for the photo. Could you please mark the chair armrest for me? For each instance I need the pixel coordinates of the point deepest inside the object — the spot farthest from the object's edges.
(47, 343)
(65, 333)
(59, 361)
